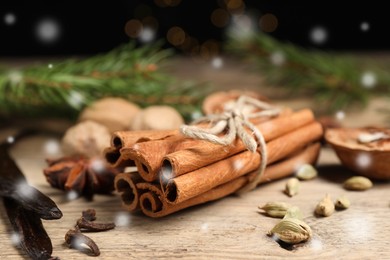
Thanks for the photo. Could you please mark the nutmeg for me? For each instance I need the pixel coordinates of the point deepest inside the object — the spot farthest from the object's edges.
(113, 112)
(157, 118)
(86, 138)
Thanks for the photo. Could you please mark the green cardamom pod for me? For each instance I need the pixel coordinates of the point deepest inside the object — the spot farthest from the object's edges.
(276, 209)
(291, 230)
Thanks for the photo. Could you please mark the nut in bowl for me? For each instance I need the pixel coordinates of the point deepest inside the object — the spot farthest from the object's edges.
(364, 150)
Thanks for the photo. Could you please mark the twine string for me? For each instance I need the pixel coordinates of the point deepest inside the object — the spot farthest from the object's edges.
(233, 123)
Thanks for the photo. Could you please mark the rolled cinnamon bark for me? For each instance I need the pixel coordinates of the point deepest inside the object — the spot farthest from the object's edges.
(205, 153)
(148, 155)
(122, 139)
(153, 203)
(126, 185)
(194, 183)
(288, 166)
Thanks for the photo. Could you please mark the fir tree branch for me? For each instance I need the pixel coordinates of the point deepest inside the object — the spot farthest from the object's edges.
(64, 88)
(334, 80)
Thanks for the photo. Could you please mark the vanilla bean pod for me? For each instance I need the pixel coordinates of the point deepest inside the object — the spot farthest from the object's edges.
(25, 206)
(31, 235)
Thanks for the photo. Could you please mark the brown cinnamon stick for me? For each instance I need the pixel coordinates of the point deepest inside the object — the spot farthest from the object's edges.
(205, 153)
(288, 166)
(147, 156)
(153, 203)
(121, 139)
(126, 185)
(203, 179)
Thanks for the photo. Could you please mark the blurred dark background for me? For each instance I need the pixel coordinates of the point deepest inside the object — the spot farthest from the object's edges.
(31, 28)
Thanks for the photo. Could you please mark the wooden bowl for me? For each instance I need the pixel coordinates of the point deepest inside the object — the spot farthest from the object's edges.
(357, 152)
(215, 102)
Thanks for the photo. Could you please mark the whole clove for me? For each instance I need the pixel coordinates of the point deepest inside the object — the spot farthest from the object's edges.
(25, 207)
(89, 214)
(75, 239)
(91, 226)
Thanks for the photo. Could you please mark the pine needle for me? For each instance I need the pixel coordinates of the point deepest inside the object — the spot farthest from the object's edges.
(64, 88)
(335, 81)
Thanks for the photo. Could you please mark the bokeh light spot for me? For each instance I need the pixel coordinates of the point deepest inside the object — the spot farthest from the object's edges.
(15, 76)
(9, 19)
(122, 219)
(47, 31)
(340, 115)
(268, 23)
(217, 62)
(15, 239)
(72, 195)
(368, 79)
(133, 28)
(220, 17)
(147, 35)
(235, 6)
(364, 26)
(242, 27)
(363, 160)
(318, 35)
(75, 99)
(52, 147)
(277, 58)
(176, 36)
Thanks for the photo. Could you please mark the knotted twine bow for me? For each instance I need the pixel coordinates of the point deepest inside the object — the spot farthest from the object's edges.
(234, 121)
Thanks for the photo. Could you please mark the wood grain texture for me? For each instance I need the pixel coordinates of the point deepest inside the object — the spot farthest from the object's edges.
(230, 228)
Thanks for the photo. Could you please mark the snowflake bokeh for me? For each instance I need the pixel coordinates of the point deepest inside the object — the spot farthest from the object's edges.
(364, 26)
(318, 35)
(72, 195)
(340, 115)
(363, 160)
(278, 58)
(47, 31)
(76, 99)
(217, 62)
(147, 35)
(15, 238)
(9, 18)
(368, 79)
(122, 219)
(241, 27)
(52, 147)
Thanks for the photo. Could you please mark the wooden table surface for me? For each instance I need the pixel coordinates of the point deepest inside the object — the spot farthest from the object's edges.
(230, 228)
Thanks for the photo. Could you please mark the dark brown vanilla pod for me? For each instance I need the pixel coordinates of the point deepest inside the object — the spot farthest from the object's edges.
(25, 206)
(32, 236)
(14, 185)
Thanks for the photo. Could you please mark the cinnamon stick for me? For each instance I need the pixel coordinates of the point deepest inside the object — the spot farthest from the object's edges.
(205, 153)
(147, 156)
(126, 185)
(154, 204)
(121, 139)
(203, 179)
(289, 165)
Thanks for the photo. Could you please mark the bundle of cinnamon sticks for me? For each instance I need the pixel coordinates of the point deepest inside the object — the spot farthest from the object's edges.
(176, 172)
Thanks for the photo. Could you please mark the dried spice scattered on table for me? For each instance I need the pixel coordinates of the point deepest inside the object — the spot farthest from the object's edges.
(325, 207)
(291, 230)
(83, 175)
(359, 183)
(76, 239)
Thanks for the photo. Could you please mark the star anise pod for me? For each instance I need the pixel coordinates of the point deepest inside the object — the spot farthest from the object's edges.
(85, 176)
